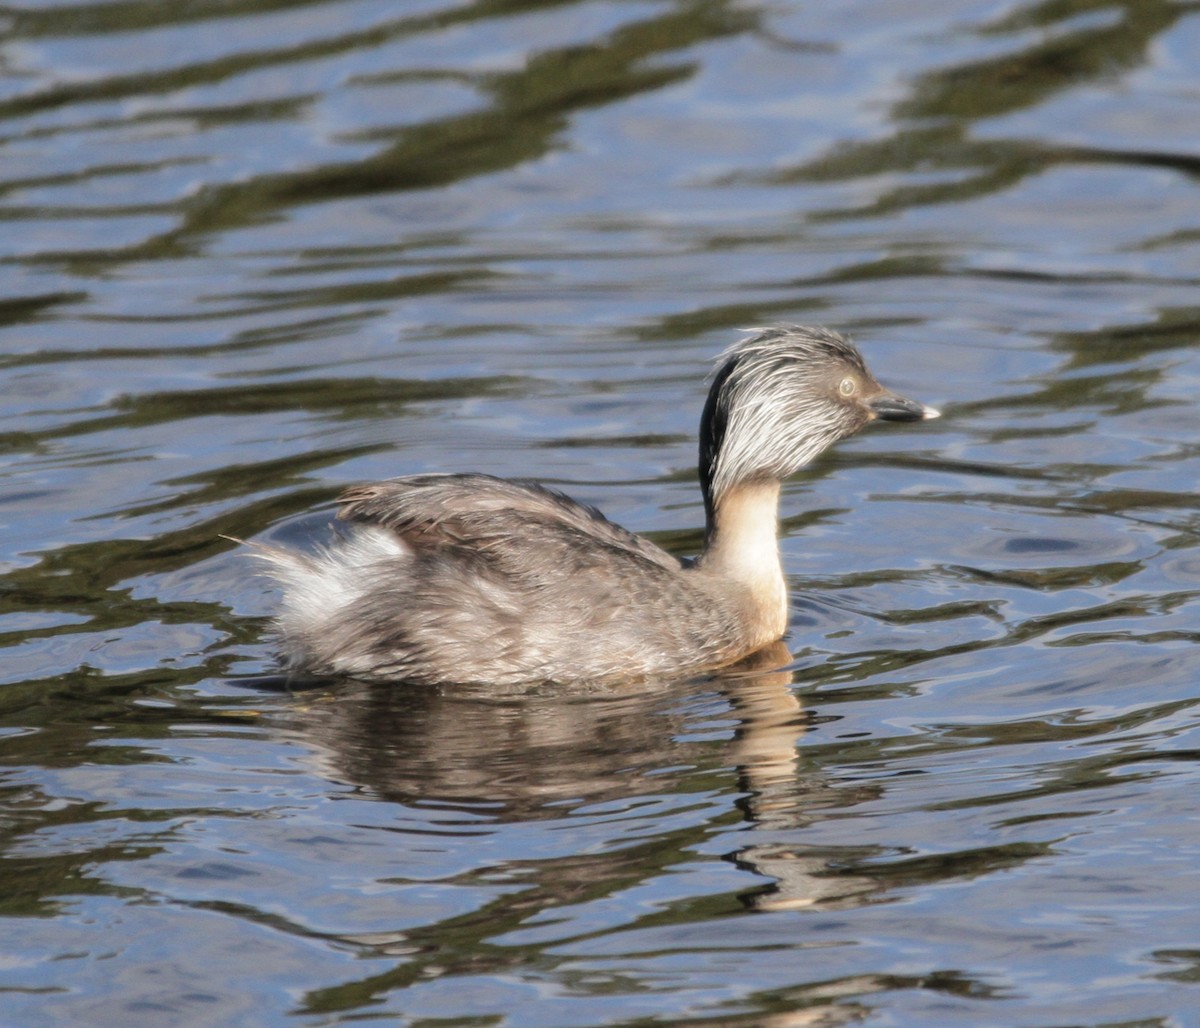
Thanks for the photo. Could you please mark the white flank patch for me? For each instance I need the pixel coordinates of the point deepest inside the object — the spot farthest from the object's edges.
(317, 584)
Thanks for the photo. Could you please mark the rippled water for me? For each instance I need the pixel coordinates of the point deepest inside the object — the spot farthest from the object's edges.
(255, 252)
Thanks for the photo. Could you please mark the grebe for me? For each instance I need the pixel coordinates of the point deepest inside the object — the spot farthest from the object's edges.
(468, 578)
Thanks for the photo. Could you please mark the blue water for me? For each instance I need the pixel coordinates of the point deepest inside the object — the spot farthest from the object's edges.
(257, 252)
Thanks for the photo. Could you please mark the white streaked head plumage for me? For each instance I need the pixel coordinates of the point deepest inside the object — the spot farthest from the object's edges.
(779, 397)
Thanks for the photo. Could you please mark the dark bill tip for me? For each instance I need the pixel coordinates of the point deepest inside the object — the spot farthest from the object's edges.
(890, 407)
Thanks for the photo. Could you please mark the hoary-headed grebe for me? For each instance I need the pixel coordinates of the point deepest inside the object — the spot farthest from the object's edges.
(462, 578)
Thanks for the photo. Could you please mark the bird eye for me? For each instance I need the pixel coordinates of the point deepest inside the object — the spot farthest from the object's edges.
(848, 386)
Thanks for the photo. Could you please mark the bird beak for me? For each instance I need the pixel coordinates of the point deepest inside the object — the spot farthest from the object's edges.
(890, 407)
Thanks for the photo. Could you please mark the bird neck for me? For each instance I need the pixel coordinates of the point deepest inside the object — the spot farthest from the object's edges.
(741, 544)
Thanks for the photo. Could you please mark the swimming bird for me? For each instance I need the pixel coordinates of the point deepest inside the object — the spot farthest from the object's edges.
(468, 578)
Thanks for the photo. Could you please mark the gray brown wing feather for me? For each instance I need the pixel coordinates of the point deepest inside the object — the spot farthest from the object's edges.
(488, 515)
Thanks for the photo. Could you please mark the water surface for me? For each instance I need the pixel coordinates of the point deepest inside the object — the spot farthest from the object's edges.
(256, 252)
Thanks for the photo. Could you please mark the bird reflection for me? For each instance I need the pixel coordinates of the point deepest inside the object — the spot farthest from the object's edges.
(523, 756)
(780, 795)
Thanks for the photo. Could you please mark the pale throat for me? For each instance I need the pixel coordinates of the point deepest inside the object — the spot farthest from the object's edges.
(742, 545)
